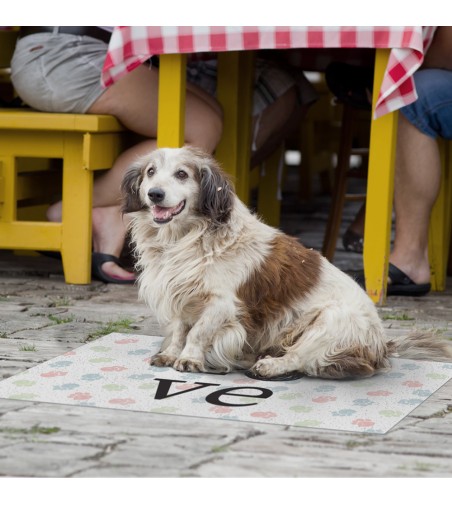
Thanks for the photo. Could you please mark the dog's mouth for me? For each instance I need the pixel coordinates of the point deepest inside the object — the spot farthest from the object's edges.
(164, 215)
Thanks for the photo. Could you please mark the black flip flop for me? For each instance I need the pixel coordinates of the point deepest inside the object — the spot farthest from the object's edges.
(400, 285)
(98, 259)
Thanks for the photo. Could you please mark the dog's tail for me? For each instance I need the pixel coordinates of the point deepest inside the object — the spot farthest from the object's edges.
(423, 345)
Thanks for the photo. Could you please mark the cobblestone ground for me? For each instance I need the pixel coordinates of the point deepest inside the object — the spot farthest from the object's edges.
(42, 317)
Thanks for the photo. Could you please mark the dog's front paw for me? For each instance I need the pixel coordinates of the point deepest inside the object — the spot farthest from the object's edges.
(163, 359)
(268, 367)
(189, 365)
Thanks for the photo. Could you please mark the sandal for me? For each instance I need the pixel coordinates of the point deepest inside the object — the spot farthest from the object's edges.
(400, 285)
(98, 259)
(353, 241)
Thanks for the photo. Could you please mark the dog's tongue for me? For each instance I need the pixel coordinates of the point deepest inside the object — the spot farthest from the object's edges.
(163, 213)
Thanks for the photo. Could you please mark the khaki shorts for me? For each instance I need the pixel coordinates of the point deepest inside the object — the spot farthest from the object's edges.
(56, 72)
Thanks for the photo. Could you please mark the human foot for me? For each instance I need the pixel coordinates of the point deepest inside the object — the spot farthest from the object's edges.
(109, 233)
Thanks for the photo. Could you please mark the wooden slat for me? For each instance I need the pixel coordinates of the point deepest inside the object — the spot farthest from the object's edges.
(20, 119)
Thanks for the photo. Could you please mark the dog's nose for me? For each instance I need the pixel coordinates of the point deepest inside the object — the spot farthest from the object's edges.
(156, 195)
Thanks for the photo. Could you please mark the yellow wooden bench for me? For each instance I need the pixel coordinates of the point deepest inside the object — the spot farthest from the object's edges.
(78, 145)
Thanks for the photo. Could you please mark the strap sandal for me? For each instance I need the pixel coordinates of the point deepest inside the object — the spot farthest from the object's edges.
(400, 285)
(98, 259)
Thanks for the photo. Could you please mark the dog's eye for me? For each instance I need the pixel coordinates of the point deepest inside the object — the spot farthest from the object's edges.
(150, 171)
(181, 174)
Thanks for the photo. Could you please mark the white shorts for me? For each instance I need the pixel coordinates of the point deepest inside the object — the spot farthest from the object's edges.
(58, 72)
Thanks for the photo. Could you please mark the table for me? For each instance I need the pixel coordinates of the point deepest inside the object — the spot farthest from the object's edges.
(399, 53)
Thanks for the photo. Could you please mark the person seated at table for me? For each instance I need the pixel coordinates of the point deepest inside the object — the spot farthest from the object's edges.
(282, 95)
(418, 168)
(58, 69)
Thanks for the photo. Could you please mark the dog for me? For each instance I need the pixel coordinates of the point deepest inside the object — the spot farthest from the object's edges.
(231, 292)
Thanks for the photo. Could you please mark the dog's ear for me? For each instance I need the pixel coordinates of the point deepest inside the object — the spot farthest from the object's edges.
(216, 196)
(130, 188)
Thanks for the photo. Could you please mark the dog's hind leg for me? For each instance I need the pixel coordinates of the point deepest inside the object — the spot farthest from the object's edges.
(330, 351)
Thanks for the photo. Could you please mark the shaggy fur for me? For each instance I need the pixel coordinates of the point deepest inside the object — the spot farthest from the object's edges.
(231, 292)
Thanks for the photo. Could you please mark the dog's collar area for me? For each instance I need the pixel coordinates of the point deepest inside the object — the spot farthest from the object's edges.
(164, 215)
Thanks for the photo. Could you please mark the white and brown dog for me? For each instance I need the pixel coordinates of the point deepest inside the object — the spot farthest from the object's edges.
(231, 292)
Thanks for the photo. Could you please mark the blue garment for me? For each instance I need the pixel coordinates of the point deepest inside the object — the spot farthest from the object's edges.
(431, 113)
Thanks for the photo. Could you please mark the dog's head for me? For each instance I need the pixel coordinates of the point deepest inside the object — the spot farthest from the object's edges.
(177, 184)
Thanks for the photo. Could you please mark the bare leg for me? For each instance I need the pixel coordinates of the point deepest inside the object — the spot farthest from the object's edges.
(274, 117)
(357, 224)
(133, 100)
(417, 183)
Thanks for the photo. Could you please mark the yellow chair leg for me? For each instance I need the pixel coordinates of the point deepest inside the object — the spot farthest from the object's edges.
(269, 192)
(440, 223)
(234, 92)
(77, 215)
(380, 191)
(171, 103)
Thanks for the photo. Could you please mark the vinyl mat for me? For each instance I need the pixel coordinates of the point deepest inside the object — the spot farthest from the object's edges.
(114, 372)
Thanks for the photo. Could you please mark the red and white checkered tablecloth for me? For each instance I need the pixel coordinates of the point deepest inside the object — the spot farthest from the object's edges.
(132, 45)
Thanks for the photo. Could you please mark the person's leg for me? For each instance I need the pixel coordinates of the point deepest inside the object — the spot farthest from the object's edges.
(134, 100)
(418, 170)
(274, 118)
(416, 186)
(438, 54)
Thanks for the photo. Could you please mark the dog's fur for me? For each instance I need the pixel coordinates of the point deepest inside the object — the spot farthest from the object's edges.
(231, 292)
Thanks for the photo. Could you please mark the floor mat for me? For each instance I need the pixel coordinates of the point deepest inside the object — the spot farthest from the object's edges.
(114, 372)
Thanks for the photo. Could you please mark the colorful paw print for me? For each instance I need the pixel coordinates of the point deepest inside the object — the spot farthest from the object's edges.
(412, 384)
(49, 375)
(113, 368)
(363, 423)
(344, 412)
(122, 401)
(363, 402)
(324, 399)
(92, 377)
(60, 364)
(264, 415)
(390, 413)
(308, 423)
(66, 387)
(80, 396)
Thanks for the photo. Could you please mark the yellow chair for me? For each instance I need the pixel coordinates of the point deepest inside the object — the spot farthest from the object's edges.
(441, 222)
(37, 150)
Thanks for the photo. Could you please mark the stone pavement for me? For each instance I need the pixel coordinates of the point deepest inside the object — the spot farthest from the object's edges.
(41, 317)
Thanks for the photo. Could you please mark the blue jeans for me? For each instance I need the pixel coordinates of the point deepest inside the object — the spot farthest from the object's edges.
(431, 113)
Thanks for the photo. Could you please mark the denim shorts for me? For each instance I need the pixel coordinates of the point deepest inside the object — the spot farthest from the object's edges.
(55, 72)
(431, 113)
